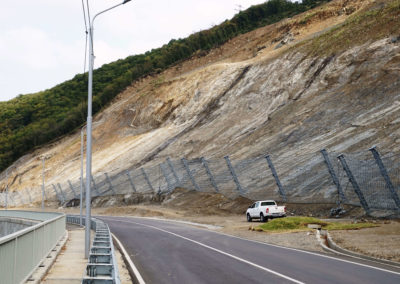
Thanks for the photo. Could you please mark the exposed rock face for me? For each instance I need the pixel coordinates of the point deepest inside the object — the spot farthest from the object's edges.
(283, 102)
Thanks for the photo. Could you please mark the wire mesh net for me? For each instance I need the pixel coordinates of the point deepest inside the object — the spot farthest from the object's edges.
(306, 178)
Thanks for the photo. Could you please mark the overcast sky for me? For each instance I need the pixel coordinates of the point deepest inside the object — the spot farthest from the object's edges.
(42, 42)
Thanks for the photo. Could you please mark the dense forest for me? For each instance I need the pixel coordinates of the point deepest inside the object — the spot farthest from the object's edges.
(29, 121)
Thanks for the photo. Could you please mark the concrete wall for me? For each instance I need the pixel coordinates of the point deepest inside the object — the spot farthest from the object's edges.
(11, 225)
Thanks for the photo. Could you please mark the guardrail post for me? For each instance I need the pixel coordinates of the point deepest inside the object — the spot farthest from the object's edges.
(73, 190)
(333, 174)
(109, 183)
(146, 178)
(353, 181)
(57, 195)
(186, 165)
(62, 192)
(95, 186)
(385, 175)
(178, 182)
(131, 181)
(210, 176)
(275, 175)
(170, 186)
(235, 178)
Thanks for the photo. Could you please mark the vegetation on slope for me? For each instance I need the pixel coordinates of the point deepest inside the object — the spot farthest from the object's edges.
(32, 120)
(378, 21)
(300, 224)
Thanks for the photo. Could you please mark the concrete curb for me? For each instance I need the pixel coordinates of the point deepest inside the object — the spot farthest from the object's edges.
(48, 262)
(135, 274)
(330, 246)
(334, 246)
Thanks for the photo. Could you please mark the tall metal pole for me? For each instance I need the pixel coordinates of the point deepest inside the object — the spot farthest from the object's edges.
(81, 194)
(89, 144)
(89, 131)
(6, 189)
(43, 184)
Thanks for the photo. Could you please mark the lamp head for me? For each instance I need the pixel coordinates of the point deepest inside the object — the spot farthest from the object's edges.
(125, 1)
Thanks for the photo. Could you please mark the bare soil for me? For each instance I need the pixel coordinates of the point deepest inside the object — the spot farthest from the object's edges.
(380, 242)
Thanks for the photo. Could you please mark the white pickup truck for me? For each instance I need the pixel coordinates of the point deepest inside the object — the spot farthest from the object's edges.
(264, 210)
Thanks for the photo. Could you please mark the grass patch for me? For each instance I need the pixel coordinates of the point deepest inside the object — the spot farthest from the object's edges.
(348, 226)
(300, 224)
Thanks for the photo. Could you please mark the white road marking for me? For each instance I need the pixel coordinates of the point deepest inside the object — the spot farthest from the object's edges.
(130, 262)
(294, 249)
(299, 250)
(219, 251)
(318, 254)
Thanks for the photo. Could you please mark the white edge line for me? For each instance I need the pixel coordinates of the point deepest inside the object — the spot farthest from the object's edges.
(128, 259)
(221, 252)
(288, 248)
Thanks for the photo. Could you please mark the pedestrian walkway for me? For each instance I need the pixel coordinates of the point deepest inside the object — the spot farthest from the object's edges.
(70, 265)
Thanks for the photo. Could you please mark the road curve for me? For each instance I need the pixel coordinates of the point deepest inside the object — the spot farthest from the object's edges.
(171, 252)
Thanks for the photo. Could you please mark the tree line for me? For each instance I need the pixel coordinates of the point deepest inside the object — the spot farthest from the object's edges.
(29, 121)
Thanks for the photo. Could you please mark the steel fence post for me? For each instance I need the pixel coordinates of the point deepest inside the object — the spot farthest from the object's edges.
(234, 176)
(147, 179)
(385, 175)
(178, 182)
(170, 186)
(210, 176)
(62, 192)
(29, 195)
(73, 190)
(57, 195)
(333, 174)
(95, 186)
(109, 183)
(353, 181)
(276, 177)
(45, 194)
(186, 165)
(131, 181)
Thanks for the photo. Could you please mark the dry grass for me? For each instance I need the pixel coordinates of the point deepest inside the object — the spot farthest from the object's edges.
(378, 20)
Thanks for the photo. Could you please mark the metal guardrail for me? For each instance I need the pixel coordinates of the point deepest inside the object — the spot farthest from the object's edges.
(23, 251)
(102, 265)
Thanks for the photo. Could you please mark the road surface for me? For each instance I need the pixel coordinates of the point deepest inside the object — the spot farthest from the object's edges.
(172, 252)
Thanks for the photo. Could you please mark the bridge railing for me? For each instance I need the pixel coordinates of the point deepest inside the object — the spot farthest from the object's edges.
(23, 251)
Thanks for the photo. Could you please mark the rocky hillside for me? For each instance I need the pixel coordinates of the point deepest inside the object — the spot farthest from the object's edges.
(328, 78)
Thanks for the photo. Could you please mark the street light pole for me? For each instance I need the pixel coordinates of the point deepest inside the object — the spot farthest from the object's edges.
(43, 184)
(81, 195)
(6, 189)
(89, 131)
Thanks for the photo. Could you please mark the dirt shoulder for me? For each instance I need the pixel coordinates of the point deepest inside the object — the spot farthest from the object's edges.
(380, 242)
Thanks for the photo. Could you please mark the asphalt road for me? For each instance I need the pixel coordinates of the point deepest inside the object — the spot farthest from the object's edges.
(171, 252)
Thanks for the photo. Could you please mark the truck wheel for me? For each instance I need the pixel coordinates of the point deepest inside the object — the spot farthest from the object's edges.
(248, 217)
(262, 218)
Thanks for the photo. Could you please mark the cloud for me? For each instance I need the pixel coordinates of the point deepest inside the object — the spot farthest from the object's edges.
(33, 48)
(42, 44)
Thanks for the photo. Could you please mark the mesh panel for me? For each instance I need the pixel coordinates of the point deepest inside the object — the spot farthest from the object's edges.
(371, 182)
(304, 179)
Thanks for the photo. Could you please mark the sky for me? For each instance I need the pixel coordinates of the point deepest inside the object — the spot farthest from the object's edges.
(42, 42)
